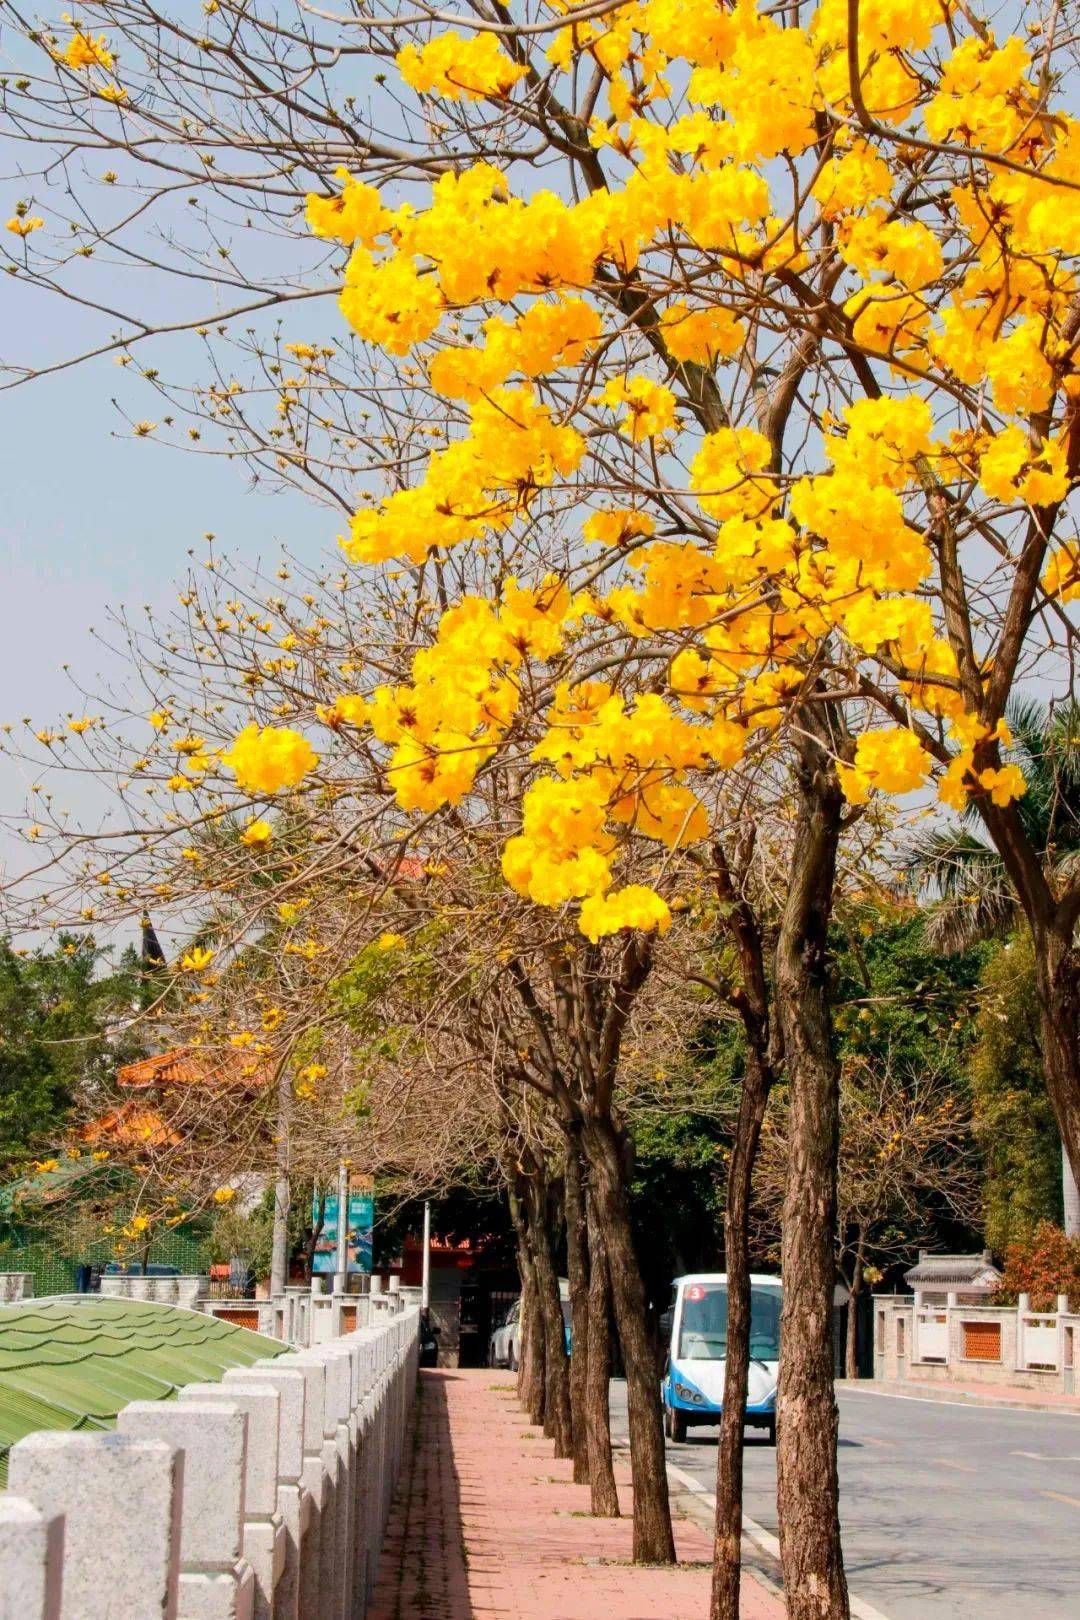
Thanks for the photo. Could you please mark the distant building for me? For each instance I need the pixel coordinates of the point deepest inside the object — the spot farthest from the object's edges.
(973, 1278)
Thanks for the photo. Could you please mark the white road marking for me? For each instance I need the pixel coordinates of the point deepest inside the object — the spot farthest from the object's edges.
(1042, 1456)
(1056, 1496)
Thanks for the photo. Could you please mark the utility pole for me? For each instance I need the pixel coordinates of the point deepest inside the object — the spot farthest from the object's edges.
(425, 1273)
(1069, 1196)
(341, 1278)
(279, 1259)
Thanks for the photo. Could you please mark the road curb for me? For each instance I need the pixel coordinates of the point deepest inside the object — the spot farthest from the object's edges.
(950, 1397)
(764, 1541)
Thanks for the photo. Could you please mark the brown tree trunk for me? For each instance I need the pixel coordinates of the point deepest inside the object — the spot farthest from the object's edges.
(532, 1380)
(653, 1542)
(605, 1498)
(807, 1487)
(577, 1272)
(556, 1372)
(531, 1330)
(727, 1548)
(851, 1343)
(1057, 978)
(1053, 923)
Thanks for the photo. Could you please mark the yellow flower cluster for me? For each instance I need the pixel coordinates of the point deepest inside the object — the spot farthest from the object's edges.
(454, 67)
(636, 906)
(514, 448)
(84, 51)
(354, 215)
(267, 759)
(891, 761)
(501, 291)
(545, 337)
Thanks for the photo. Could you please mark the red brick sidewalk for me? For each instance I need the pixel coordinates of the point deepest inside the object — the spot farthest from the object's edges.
(486, 1526)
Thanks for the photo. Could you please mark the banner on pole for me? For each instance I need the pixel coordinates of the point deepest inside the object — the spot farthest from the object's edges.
(361, 1227)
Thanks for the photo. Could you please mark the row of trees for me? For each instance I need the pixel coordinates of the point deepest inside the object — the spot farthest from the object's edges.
(702, 414)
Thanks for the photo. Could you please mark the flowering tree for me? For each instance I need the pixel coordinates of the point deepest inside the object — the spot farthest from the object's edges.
(730, 357)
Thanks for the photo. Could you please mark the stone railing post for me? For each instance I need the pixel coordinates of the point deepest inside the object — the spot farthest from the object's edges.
(292, 1497)
(316, 1498)
(216, 1581)
(121, 1502)
(340, 1358)
(334, 1467)
(15, 1285)
(31, 1554)
(264, 1541)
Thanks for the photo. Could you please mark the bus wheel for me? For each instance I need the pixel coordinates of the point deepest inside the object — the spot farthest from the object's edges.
(678, 1427)
(770, 1432)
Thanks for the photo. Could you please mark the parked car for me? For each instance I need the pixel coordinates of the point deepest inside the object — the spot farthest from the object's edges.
(505, 1344)
(429, 1343)
(504, 1349)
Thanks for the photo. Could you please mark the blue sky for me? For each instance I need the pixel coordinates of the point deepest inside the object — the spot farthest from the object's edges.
(92, 517)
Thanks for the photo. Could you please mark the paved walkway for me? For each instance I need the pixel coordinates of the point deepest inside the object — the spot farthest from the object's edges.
(486, 1526)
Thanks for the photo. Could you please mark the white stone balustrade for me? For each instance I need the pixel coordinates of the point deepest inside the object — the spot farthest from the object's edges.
(957, 1342)
(264, 1497)
(120, 1502)
(16, 1285)
(216, 1581)
(31, 1560)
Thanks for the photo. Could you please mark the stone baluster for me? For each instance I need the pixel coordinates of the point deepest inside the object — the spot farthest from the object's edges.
(216, 1580)
(31, 1560)
(264, 1536)
(121, 1501)
(292, 1498)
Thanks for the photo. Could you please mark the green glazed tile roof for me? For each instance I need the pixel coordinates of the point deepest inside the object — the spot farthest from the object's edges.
(68, 1364)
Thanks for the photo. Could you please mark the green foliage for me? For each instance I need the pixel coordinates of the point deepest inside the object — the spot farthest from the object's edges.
(1014, 1120)
(250, 1237)
(677, 1189)
(1043, 1266)
(897, 996)
(61, 1039)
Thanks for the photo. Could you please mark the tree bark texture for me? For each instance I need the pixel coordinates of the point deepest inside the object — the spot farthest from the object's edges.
(751, 1000)
(577, 1272)
(531, 1329)
(807, 1487)
(556, 1371)
(653, 1542)
(727, 1547)
(605, 1498)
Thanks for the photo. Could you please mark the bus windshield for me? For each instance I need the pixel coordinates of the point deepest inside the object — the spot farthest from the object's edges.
(703, 1330)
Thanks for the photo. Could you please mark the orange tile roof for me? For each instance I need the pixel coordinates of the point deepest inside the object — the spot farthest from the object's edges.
(182, 1067)
(130, 1125)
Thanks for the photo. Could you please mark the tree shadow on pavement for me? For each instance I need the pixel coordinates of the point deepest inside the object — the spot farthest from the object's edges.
(422, 1572)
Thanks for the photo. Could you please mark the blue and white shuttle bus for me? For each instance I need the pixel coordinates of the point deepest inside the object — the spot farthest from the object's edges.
(693, 1388)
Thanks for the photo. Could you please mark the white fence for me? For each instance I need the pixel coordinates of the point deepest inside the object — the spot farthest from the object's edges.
(262, 1497)
(967, 1343)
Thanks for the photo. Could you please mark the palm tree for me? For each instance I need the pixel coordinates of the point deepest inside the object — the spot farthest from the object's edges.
(975, 897)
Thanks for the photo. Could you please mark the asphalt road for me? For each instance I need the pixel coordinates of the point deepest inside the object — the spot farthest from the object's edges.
(949, 1512)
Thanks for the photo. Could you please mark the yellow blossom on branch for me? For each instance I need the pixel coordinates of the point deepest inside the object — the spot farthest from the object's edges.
(267, 759)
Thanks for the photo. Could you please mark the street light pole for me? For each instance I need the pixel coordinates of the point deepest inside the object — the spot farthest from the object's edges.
(341, 1279)
(425, 1274)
